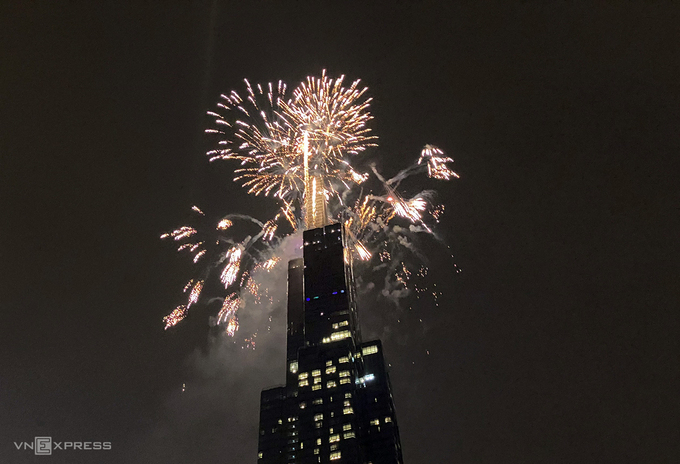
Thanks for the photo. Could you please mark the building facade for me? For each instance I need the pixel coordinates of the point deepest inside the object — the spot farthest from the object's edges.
(336, 406)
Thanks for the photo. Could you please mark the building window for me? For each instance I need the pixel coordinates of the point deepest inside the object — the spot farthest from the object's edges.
(293, 367)
(303, 405)
(318, 401)
(316, 372)
(336, 455)
(316, 450)
(334, 438)
(303, 383)
(345, 380)
(318, 441)
(348, 410)
(329, 362)
(347, 403)
(331, 384)
(388, 419)
(330, 370)
(347, 427)
(369, 350)
(316, 387)
(348, 435)
(375, 422)
(259, 455)
(344, 359)
(334, 447)
(318, 417)
(302, 375)
(316, 380)
(348, 395)
(344, 374)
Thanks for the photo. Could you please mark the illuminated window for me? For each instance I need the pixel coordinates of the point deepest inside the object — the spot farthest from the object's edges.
(303, 405)
(369, 350)
(318, 417)
(316, 450)
(347, 403)
(316, 372)
(344, 359)
(348, 395)
(318, 401)
(329, 362)
(343, 323)
(375, 422)
(259, 455)
(334, 447)
(348, 411)
(303, 383)
(316, 380)
(293, 367)
(280, 421)
(347, 427)
(345, 380)
(344, 374)
(316, 387)
(302, 375)
(348, 435)
(336, 455)
(331, 384)
(318, 441)
(334, 438)
(388, 419)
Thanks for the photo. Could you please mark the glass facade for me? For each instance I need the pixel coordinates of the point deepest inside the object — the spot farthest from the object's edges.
(336, 387)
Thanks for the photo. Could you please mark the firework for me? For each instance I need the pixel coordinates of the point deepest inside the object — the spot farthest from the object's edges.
(299, 148)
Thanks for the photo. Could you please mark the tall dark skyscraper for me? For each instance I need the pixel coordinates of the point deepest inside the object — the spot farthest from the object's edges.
(336, 406)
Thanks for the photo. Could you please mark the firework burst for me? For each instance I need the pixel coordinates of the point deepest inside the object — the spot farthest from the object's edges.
(299, 148)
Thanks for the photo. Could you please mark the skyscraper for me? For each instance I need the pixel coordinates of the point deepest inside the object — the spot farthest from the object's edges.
(336, 406)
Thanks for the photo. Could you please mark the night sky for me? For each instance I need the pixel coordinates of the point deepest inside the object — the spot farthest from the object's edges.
(558, 343)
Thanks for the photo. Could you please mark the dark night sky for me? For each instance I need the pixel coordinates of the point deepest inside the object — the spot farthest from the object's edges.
(559, 341)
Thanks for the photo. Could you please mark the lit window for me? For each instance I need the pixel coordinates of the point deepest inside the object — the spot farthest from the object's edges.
(388, 419)
(334, 447)
(318, 417)
(348, 395)
(343, 323)
(303, 405)
(293, 367)
(318, 401)
(329, 362)
(280, 421)
(334, 438)
(330, 370)
(331, 384)
(316, 380)
(316, 372)
(348, 411)
(302, 375)
(259, 455)
(335, 456)
(344, 359)
(346, 403)
(316, 387)
(344, 374)
(345, 380)
(347, 427)
(347, 435)
(318, 441)
(303, 383)
(375, 422)
(369, 350)
(316, 450)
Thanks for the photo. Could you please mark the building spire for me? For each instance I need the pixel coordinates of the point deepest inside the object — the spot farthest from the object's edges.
(315, 209)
